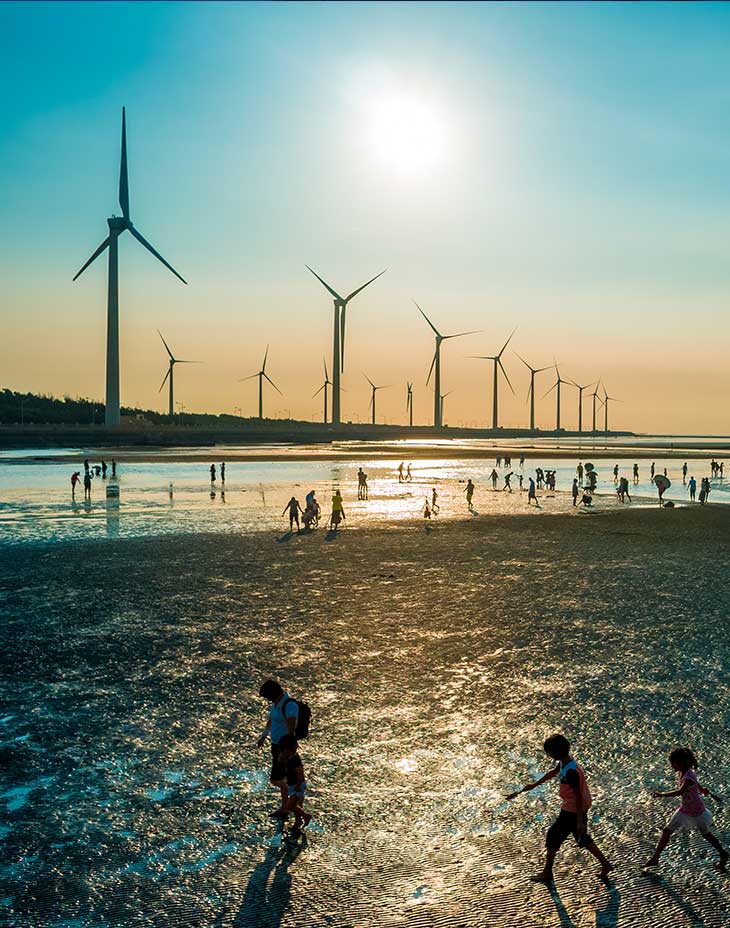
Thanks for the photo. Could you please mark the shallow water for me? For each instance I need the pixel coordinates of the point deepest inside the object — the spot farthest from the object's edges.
(132, 793)
(169, 498)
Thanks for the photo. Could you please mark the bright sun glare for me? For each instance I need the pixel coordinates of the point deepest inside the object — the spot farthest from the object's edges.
(407, 134)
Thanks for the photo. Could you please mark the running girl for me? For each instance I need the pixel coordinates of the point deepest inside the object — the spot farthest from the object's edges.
(692, 812)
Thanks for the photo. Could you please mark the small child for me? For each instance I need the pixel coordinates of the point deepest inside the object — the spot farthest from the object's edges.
(296, 784)
(571, 819)
(426, 510)
(691, 812)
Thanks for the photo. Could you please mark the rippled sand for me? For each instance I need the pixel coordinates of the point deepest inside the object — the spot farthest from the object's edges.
(435, 661)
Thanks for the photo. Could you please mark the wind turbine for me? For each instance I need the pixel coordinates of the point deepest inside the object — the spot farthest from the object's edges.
(443, 397)
(117, 225)
(375, 389)
(606, 400)
(497, 359)
(557, 384)
(580, 403)
(324, 386)
(338, 345)
(262, 375)
(409, 404)
(170, 374)
(596, 397)
(435, 368)
(531, 388)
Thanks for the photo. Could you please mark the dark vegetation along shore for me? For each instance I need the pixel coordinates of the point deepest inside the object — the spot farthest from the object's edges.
(435, 662)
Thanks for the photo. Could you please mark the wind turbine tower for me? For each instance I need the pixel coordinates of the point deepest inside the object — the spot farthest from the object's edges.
(118, 225)
(262, 375)
(596, 397)
(531, 388)
(435, 368)
(606, 400)
(170, 375)
(580, 403)
(557, 384)
(409, 404)
(338, 341)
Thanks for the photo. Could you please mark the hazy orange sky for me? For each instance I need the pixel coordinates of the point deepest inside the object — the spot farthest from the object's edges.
(559, 168)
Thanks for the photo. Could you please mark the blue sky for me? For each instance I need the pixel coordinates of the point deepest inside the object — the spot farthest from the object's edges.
(583, 194)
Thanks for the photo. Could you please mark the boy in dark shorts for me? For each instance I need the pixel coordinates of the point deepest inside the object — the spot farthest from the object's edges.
(296, 784)
(576, 800)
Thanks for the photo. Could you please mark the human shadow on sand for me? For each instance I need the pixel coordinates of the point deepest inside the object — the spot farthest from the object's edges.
(331, 535)
(606, 917)
(691, 914)
(287, 536)
(268, 891)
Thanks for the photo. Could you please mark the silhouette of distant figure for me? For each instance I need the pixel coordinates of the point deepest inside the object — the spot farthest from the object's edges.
(498, 460)
(400, 472)
(87, 485)
(495, 476)
(684, 472)
(531, 492)
(311, 510)
(365, 490)
(507, 485)
(522, 460)
(338, 510)
(579, 471)
(426, 510)
(212, 473)
(722, 469)
(97, 470)
(469, 494)
(74, 480)
(623, 490)
(409, 476)
(636, 473)
(294, 509)
(114, 468)
(223, 471)
(692, 486)
(103, 470)
(434, 497)
(574, 491)
(86, 467)
(652, 470)
(615, 473)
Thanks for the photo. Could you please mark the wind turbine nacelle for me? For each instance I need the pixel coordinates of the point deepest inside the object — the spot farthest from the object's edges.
(118, 223)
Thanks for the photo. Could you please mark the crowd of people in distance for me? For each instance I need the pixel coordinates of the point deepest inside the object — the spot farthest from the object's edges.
(288, 724)
(91, 471)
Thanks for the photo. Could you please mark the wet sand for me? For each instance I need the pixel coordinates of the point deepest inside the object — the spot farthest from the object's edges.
(435, 662)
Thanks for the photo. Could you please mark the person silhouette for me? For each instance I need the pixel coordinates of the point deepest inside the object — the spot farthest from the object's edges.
(574, 491)
(400, 472)
(495, 476)
(409, 476)
(338, 511)
(212, 473)
(293, 509)
(74, 480)
(434, 497)
(469, 494)
(636, 473)
(223, 471)
(531, 493)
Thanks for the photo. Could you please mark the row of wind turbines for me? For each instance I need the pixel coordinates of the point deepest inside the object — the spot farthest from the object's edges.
(120, 224)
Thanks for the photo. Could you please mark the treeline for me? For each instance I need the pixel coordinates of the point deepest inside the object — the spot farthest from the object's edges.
(34, 409)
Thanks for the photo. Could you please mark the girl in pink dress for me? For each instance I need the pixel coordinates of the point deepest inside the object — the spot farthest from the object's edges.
(692, 812)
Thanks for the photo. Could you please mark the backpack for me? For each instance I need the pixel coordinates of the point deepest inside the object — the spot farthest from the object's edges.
(303, 719)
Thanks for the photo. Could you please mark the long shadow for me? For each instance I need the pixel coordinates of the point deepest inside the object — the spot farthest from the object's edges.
(268, 891)
(331, 535)
(285, 537)
(693, 916)
(606, 917)
(565, 920)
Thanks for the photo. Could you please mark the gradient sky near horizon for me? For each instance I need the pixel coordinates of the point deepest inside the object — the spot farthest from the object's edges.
(560, 168)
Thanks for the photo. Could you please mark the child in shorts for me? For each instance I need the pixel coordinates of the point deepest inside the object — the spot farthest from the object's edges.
(692, 812)
(296, 784)
(576, 800)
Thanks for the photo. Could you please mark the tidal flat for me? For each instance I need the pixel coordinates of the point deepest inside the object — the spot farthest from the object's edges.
(435, 658)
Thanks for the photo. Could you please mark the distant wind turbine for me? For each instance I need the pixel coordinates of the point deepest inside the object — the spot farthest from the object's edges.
(435, 368)
(443, 397)
(596, 396)
(117, 225)
(324, 386)
(531, 388)
(262, 375)
(170, 374)
(557, 384)
(497, 360)
(338, 344)
(606, 400)
(374, 389)
(580, 402)
(409, 404)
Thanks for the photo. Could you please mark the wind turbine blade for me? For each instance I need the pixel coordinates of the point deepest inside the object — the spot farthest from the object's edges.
(319, 391)
(123, 179)
(266, 354)
(149, 248)
(460, 334)
(372, 399)
(181, 361)
(430, 370)
(165, 380)
(324, 283)
(326, 375)
(529, 368)
(550, 390)
(436, 331)
(172, 357)
(104, 244)
(499, 361)
(369, 381)
(507, 342)
(266, 376)
(359, 289)
(342, 338)
(250, 377)
(529, 390)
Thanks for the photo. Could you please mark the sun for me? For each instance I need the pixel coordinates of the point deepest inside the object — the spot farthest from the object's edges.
(407, 134)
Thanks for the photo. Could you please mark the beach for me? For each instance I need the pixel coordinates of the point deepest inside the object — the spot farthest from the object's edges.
(436, 659)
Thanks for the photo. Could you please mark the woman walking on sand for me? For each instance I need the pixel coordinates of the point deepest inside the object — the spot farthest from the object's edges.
(338, 511)
(469, 494)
